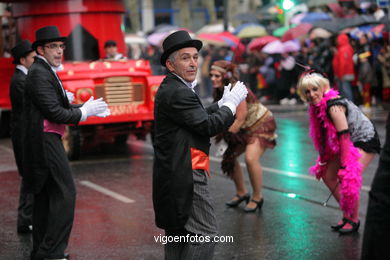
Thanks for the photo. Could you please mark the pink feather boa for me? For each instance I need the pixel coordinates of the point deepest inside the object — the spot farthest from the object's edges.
(350, 177)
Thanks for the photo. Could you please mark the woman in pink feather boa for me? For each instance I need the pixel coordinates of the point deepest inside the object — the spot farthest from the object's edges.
(346, 141)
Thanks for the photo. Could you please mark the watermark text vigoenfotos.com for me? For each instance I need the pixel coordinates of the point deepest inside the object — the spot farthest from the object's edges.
(192, 239)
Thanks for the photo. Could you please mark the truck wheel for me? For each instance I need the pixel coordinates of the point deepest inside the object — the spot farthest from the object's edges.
(121, 139)
(72, 142)
(152, 136)
(152, 133)
(5, 119)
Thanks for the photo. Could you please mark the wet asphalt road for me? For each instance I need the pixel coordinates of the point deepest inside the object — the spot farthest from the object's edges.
(115, 220)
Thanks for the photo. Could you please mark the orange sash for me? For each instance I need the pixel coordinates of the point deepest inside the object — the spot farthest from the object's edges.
(200, 160)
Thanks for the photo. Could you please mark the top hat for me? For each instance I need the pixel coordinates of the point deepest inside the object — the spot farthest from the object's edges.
(21, 50)
(109, 43)
(47, 34)
(176, 41)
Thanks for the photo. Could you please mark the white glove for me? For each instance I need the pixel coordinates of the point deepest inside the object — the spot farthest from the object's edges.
(237, 94)
(70, 96)
(225, 91)
(105, 113)
(94, 107)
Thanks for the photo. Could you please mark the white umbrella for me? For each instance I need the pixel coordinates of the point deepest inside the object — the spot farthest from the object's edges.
(319, 33)
(214, 28)
(135, 39)
(273, 47)
(291, 46)
(157, 38)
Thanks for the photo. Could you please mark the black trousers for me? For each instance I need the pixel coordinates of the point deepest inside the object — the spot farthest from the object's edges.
(54, 205)
(25, 208)
(26, 197)
(377, 229)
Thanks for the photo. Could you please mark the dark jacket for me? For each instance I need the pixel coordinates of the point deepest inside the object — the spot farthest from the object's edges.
(16, 92)
(44, 99)
(181, 123)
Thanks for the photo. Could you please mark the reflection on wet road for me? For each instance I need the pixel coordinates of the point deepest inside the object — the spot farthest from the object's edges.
(115, 220)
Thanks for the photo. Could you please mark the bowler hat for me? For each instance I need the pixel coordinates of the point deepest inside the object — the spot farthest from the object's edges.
(47, 34)
(176, 41)
(21, 50)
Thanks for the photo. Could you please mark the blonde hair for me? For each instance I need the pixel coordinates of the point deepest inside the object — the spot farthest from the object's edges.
(311, 79)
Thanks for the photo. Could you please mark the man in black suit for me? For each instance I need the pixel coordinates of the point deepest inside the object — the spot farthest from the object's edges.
(46, 167)
(23, 55)
(183, 128)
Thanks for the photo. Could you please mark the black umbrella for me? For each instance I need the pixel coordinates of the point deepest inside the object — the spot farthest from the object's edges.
(338, 24)
(386, 21)
(331, 26)
(357, 20)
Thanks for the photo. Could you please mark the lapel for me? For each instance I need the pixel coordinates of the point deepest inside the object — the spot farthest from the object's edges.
(57, 85)
(20, 74)
(200, 102)
(182, 84)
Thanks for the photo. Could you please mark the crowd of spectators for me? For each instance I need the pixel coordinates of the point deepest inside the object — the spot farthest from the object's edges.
(357, 63)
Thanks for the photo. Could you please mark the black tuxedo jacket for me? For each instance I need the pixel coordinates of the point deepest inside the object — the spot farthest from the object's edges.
(44, 98)
(181, 123)
(16, 92)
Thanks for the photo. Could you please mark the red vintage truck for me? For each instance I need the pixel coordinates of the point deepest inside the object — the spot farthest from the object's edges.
(127, 86)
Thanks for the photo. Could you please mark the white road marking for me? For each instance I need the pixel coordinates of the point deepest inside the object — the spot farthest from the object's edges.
(267, 169)
(106, 191)
(284, 173)
(8, 150)
(8, 169)
(111, 160)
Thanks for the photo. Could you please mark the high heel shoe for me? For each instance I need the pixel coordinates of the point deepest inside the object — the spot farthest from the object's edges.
(259, 204)
(355, 227)
(236, 202)
(338, 226)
